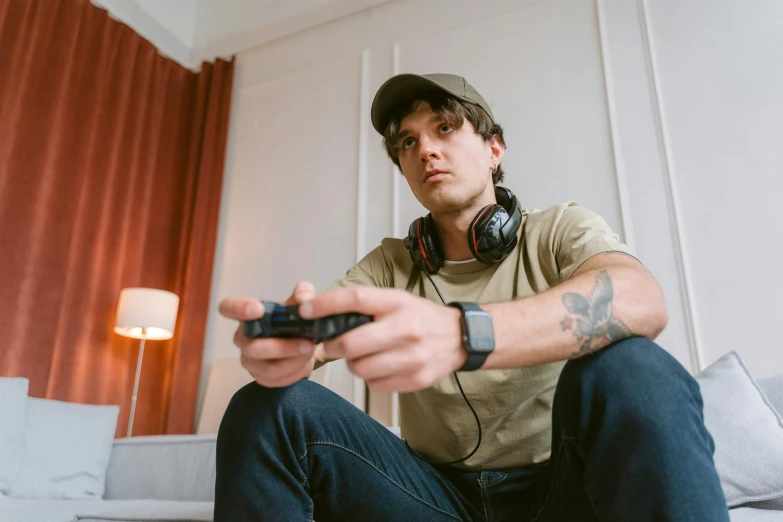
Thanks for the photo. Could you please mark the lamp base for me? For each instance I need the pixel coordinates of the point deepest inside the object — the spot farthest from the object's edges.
(135, 388)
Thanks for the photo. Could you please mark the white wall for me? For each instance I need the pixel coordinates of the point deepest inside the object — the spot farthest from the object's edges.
(603, 101)
(719, 66)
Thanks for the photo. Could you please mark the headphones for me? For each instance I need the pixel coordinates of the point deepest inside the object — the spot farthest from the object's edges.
(491, 235)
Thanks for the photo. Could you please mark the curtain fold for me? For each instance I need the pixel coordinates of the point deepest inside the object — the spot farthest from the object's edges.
(111, 168)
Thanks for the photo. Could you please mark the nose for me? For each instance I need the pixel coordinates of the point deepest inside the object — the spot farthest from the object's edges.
(428, 149)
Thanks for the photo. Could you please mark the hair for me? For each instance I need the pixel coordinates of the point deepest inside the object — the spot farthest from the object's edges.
(454, 112)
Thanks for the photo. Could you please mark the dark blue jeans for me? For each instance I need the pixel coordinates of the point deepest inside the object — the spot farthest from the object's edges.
(628, 444)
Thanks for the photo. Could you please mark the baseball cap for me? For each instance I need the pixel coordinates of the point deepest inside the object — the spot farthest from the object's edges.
(402, 87)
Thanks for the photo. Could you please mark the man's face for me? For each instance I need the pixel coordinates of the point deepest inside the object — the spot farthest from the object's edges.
(447, 169)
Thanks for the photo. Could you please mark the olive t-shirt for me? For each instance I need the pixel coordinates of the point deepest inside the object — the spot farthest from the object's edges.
(514, 405)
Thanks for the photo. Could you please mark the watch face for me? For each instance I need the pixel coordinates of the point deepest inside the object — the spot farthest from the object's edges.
(481, 335)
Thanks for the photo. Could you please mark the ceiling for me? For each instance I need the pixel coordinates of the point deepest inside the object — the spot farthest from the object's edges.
(192, 31)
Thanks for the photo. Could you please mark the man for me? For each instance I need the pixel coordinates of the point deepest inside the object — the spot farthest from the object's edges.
(614, 434)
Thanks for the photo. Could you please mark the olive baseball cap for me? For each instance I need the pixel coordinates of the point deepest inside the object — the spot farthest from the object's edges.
(402, 87)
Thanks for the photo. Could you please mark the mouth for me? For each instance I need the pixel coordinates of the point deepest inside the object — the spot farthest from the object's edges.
(434, 175)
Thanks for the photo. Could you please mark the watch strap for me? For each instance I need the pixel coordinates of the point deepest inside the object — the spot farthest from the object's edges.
(474, 362)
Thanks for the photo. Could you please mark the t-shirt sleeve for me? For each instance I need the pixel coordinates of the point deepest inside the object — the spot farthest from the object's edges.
(578, 235)
(371, 270)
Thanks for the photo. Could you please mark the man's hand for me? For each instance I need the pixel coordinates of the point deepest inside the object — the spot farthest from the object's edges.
(273, 363)
(412, 343)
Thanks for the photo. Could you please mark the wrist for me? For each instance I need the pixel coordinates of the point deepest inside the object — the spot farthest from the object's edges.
(460, 355)
(497, 324)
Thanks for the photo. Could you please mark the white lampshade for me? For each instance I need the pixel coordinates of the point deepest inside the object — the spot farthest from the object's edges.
(146, 313)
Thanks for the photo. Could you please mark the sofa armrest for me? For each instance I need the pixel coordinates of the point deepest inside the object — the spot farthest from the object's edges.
(162, 467)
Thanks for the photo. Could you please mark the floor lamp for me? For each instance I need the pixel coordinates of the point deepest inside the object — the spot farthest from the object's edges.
(145, 313)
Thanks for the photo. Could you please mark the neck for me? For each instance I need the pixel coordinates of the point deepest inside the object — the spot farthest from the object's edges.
(453, 231)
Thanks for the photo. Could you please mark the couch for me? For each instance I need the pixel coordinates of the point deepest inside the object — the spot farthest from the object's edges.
(765, 511)
(161, 478)
(171, 478)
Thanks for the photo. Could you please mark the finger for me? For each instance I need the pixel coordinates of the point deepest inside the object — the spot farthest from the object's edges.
(304, 291)
(302, 373)
(333, 349)
(278, 371)
(375, 337)
(385, 364)
(273, 348)
(362, 299)
(241, 308)
(239, 337)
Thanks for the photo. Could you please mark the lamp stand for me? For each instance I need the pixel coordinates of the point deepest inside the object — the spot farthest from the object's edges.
(136, 383)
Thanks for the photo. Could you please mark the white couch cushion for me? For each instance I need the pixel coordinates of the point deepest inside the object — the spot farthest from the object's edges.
(150, 511)
(67, 450)
(746, 514)
(747, 431)
(27, 510)
(13, 404)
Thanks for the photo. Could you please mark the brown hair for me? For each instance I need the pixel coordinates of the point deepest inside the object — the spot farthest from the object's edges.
(454, 112)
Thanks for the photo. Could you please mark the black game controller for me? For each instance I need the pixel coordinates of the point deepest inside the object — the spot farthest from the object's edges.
(284, 321)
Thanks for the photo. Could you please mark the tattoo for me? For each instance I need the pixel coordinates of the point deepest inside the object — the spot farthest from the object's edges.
(594, 323)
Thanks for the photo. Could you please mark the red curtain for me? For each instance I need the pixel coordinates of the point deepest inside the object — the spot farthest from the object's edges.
(111, 167)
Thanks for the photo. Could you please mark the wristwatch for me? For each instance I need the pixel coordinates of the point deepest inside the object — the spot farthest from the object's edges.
(478, 336)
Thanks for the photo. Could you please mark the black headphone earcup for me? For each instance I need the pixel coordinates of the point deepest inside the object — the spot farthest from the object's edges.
(423, 245)
(431, 243)
(481, 241)
(492, 234)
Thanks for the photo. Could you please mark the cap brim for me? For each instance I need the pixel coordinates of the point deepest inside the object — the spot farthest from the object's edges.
(397, 90)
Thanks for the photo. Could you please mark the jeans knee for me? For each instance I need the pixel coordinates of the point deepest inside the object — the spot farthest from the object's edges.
(629, 365)
(635, 377)
(254, 406)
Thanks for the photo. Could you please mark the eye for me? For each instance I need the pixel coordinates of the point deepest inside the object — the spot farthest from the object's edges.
(446, 128)
(408, 143)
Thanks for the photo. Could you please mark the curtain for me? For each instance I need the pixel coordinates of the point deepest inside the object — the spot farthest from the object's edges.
(111, 167)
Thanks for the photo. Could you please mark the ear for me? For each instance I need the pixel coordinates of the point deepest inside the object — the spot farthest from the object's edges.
(497, 150)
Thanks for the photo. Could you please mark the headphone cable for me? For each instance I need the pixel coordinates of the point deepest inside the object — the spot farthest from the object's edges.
(459, 385)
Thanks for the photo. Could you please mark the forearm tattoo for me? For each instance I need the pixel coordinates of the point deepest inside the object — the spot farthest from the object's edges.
(593, 322)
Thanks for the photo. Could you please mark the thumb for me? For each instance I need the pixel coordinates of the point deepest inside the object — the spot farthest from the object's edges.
(304, 291)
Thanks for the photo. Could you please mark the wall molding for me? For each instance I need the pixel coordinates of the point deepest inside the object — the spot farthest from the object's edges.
(617, 149)
(395, 397)
(360, 398)
(393, 169)
(670, 187)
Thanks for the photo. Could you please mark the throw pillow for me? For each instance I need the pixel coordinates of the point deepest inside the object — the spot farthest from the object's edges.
(13, 402)
(773, 390)
(67, 450)
(747, 431)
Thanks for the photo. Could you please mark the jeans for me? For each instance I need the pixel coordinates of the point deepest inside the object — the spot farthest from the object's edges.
(628, 444)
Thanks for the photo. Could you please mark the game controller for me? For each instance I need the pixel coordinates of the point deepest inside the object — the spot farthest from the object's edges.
(284, 321)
